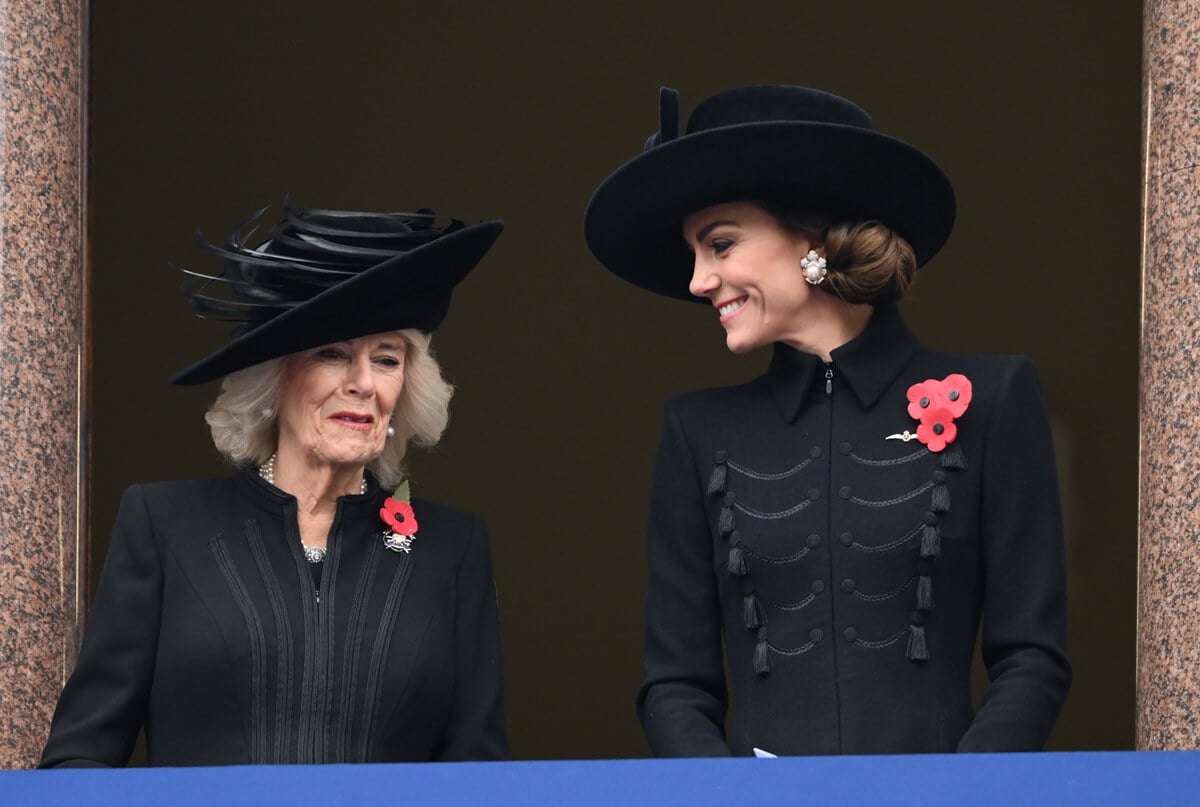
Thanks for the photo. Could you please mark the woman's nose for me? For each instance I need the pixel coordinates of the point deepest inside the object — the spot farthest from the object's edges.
(704, 280)
(359, 379)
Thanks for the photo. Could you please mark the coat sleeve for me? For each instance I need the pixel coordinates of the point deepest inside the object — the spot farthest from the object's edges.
(476, 729)
(1024, 579)
(682, 700)
(102, 707)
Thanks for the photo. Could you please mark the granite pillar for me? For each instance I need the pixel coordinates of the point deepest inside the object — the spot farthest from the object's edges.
(42, 362)
(1168, 653)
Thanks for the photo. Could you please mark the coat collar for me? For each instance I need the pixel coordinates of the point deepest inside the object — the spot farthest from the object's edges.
(868, 363)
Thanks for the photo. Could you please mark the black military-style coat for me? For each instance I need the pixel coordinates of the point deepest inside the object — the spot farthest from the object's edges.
(847, 572)
(210, 631)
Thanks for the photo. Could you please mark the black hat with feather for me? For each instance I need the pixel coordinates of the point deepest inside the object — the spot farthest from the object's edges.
(322, 276)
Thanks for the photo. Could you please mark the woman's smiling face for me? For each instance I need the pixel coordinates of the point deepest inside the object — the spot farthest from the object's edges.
(748, 266)
(337, 400)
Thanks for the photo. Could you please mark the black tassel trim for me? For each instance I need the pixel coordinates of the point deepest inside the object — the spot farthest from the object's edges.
(925, 592)
(737, 561)
(931, 541)
(716, 481)
(725, 521)
(762, 654)
(953, 457)
(941, 498)
(917, 649)
(752, 613)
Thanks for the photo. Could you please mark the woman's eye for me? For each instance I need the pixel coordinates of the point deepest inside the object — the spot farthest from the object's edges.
(390, 362)
(329, 353)
(721, 245)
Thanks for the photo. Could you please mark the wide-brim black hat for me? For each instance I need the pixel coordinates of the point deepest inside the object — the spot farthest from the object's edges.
(775, 143)
(323, 276)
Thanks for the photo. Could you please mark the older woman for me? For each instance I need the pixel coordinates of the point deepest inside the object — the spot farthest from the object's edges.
(837, 530)
(304, 609)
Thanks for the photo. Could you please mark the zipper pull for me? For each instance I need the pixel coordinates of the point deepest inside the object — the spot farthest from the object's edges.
(829, 379)
(318, 596)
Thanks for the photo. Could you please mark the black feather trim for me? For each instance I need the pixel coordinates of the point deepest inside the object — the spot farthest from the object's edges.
(308, 252)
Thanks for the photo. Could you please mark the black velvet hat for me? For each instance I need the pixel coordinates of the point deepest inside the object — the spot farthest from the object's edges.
(322, 276)
(772, 143)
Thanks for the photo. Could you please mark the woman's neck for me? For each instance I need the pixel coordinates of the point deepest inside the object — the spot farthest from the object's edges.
(828, 324)
(316, 485)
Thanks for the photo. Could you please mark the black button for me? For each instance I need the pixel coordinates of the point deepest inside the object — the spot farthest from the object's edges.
(814, 493)
(730, 499)
(850, 633)
(845, 492)
(939, 475)
(720, 455)
(847, 585)
(924, 403)
(845, 448)
(816, 634)
(814, 540)
(814, 452)
(930, 517)
(818, 586)
(916, 618)
(938, 428)
(846, 539)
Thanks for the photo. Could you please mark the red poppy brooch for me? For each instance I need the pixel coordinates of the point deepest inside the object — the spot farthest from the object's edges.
(397, 513)
(935, 405)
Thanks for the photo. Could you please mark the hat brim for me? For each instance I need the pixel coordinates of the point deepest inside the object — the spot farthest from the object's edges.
(411, 290)
(633, 221)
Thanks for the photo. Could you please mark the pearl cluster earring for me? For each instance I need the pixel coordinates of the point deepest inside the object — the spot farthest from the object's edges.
(814, 268)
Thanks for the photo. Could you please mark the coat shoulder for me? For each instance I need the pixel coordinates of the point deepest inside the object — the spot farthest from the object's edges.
(719, 400)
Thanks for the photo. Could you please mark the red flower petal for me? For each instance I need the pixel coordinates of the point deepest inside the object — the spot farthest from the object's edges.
(937, 429)
(920, 397)
(399, 516)
(956, 391)
(952, 393)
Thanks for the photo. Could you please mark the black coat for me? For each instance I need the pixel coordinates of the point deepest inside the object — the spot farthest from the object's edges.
(209, 631)
(847, 574)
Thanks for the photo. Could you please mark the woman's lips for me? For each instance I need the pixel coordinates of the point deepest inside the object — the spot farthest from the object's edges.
(353, 420)
(730, 308)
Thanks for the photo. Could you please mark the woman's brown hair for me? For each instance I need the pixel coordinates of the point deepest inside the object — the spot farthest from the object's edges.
(868, 261)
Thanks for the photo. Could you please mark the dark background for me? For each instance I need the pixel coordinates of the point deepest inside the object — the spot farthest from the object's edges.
(204, 111)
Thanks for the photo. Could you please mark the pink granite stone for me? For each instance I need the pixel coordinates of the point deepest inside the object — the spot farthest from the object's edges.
(42, 85)
(1168, 668)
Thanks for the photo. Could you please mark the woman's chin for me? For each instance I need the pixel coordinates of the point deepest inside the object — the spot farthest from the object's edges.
(739, 344)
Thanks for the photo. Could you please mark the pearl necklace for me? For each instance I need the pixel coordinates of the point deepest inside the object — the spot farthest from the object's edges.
(312, 554)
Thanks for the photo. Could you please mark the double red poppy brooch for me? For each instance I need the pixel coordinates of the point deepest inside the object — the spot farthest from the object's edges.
(935, 405)
(397, 513)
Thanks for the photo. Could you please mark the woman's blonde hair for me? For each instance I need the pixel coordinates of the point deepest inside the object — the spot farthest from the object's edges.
(245, 430)
(868, 261)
